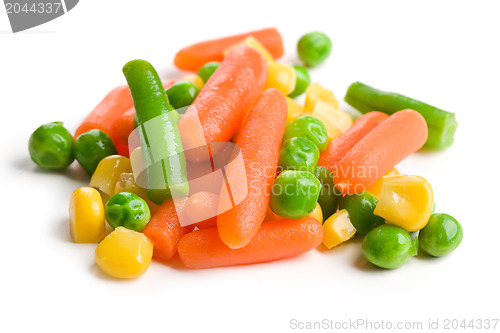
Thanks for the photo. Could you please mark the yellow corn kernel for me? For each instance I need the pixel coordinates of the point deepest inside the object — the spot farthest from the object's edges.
(337, 229)
(317, 213)
(253, 43)
(124, 253)
(376, 187)
(126, 183)
(405, 201)
(107, 172)
(335, 121)
(281, 77)
(195, 79)
(316, 93)
(86, 216)
(295, 110)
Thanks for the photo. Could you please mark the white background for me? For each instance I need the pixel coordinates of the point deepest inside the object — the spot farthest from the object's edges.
(443, 52)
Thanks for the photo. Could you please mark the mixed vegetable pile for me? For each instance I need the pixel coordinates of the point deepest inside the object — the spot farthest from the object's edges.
(313, 175)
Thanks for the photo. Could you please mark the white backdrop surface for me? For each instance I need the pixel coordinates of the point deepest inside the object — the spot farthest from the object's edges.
(445, 53)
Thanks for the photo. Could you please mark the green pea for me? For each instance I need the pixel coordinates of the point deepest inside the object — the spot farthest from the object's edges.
(441, 235)
(388, 246)
(310, 128)
(182, 94)
(51, 146)
(298, 154)
(127, 210)
(302, 82)
(91, 147)
(206, 71)
(329, 196)
(360, 208)
(313, 48)
(294, 194)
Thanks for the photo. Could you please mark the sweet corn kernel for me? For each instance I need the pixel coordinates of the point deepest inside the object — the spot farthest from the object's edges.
(317, 213)
(86, 216)
(107, 172)
(124, 253)
(376, 187)
(316, 93)
(295, 110)
(195, 79)
(281, 77)
(337, 229)
(253, 43)
(335, 121)
(405, 201)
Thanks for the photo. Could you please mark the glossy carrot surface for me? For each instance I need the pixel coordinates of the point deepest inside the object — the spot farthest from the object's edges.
(165, 230)
(108, 112)
(222, 104)
(394, 139)
(194, 56)
(259, 140)
(337, 148)
(275, 240)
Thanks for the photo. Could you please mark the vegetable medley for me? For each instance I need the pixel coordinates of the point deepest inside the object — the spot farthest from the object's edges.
(313, 175)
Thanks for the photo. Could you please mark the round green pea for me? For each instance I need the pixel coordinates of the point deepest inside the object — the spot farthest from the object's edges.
(302, 82)
(206, 71)
(310, 128)
(329, 196)
(91, 147)
(313, 48)
(441, 235)
(388, 246)
(51, 146)
(360, 208)
(298, 154)
(127, 210)
(182, 94)
(294, 194)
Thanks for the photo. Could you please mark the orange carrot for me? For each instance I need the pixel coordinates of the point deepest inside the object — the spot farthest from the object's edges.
(125, 124)
(222, 104)
(337, 148)
(259, 140)
(403, 133)
(202, 207)
(192, 57)
(275, 240)
(122, 149)
(165, 230)
(106, 114)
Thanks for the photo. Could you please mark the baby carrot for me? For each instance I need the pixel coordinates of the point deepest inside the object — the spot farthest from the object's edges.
(337, 148)
(222, 104)
(275, 240)
(165, 230)
(194, 56)
(403, 133)
(108, 112)
(202, 207)
(259, 140)
(126, 125)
